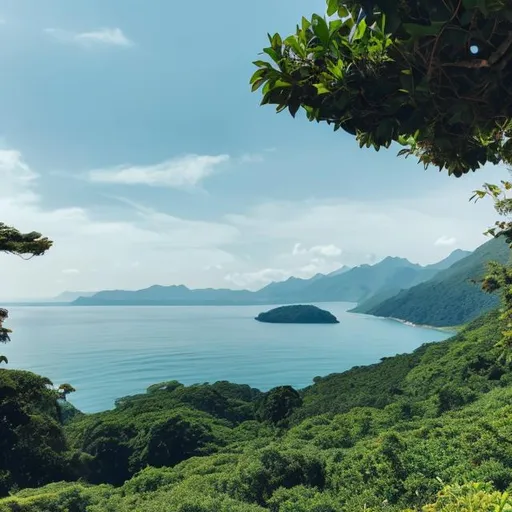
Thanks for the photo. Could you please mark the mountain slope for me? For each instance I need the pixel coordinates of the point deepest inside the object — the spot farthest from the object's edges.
(449, 298)
(367, 305)
(283, 290)
(365, 281)
(454, 257)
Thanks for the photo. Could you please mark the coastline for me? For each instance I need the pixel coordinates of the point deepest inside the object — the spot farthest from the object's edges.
(453, 329)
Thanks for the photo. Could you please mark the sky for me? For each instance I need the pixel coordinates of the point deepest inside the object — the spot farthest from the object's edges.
(129, 136)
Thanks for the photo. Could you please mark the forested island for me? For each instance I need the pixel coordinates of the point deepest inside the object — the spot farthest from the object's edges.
(297, 314)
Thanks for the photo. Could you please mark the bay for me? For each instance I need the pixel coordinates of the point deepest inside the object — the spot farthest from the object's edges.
(110, 352)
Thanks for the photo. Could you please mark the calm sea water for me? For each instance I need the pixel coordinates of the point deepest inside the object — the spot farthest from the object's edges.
(110, 352)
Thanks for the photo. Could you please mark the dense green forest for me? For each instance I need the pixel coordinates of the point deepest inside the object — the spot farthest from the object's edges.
(388, 436)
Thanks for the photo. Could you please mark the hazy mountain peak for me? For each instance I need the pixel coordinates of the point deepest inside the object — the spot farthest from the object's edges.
(452, 258)
(395, 261)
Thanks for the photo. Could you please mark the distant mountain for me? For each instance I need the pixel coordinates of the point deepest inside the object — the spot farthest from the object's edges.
(71, 296)
(454, 257)
(367, 305)
(361, 283)
(449, 298)
(340, 271)
(358, 284)
(169, 295)
(282, 291)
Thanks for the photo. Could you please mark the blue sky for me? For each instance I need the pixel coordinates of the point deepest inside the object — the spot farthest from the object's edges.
(129, 135)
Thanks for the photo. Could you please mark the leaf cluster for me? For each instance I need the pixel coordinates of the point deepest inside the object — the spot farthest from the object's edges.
(13, 241)
(431, 75)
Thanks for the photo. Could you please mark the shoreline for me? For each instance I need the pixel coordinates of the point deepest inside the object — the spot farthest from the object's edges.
(454, 329)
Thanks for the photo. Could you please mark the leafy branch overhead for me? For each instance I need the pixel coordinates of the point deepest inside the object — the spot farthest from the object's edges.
(13, 241)
(433, 75)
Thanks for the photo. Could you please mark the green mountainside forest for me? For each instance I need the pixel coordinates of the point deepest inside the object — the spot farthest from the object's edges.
(450, 298)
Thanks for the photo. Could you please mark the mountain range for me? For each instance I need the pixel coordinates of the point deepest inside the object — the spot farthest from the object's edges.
(363, 283)
(449, 298)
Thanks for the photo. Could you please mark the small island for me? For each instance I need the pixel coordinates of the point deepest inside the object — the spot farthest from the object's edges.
(297, 315)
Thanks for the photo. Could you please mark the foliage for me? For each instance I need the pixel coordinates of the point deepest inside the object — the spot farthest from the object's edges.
(431, 75)
(4, 333)
(13, 241)
(163, 427)
(499, 277)
(502, 205)
(469, 497)
(64, 390)
(33, 449)
(278, 404)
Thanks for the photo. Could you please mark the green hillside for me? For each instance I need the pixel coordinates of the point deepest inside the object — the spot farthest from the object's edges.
(449, 298)
(382, 437)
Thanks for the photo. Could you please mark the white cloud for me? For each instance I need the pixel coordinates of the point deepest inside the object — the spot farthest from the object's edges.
(100, 37)
(257, 279)
(254, 280)
(109, 36)
(445, 241)
(251, 248)
(389, 227)
(181, 172)
(251, 158)
(147, 247)
(328, 251)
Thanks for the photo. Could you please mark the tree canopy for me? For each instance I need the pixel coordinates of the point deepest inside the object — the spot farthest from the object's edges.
(432, 75)
(30, 244)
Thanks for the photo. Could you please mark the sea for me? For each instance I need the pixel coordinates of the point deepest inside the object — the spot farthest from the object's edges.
(111, 352)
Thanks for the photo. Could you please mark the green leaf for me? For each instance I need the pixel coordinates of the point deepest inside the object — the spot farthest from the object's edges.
(256, 76)
(360, 30)
(294, 44)
(305, 24)
(257, 84)
(282, 83)
(276, 41)
(293, 108)
(332, 7)
(343, 12)
(262, 64)
(321, 89)
(321, 29)
(334, 26)
(272, 54)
